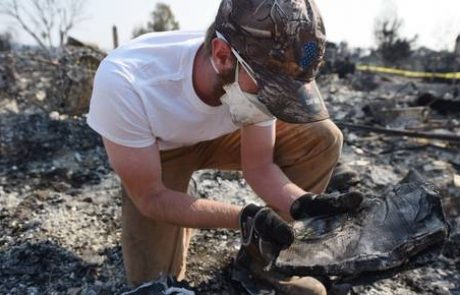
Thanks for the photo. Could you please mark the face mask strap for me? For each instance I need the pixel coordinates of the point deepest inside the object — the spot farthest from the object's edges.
(237, 68)
(237, 72)
(239, 59)
(213, 64)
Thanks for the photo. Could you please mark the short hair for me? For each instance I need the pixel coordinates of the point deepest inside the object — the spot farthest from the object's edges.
(210, 35)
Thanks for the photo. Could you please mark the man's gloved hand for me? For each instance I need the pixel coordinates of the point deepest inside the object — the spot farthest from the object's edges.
(264, 232)
(311, 204)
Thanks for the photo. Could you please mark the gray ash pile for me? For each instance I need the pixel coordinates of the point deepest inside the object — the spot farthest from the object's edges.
(33, 80)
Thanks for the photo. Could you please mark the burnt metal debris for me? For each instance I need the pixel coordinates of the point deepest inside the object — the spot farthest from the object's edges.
(447, 137)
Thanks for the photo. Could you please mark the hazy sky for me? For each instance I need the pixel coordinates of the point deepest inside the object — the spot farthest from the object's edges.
(437, 23)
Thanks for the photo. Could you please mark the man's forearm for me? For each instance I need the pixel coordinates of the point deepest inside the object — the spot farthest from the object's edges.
(181, 209)
(273, 186)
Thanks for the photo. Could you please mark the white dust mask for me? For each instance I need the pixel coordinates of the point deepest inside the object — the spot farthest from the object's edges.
(245, 108)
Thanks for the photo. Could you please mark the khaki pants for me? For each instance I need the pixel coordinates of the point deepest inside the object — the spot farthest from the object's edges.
(306, 153)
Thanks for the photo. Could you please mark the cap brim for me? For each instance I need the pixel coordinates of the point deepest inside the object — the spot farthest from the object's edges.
(289, 100)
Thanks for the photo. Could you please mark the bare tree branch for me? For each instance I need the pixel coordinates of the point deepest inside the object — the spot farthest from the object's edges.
(44, 20)
(12, 9)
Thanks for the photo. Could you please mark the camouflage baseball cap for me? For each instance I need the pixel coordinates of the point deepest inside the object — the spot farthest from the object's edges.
(283, 41)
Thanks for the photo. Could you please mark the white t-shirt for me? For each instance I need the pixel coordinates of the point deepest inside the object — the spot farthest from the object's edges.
(143, 93)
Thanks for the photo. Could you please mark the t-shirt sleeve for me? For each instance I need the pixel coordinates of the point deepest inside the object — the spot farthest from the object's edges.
(116, 111)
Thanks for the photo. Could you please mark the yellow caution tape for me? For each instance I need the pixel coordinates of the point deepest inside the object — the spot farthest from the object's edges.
(409, 74)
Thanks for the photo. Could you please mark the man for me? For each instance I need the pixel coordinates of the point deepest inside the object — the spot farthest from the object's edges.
(167, 104)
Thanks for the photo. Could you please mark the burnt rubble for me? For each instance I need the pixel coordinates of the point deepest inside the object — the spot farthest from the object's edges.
(59, 199)
(33, 80)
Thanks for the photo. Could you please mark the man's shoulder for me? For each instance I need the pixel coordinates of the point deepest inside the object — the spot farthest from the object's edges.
(157, 54)
(165, 38)
(153, 45)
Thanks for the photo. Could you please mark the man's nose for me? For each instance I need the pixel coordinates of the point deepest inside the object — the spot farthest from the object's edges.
(247, 84)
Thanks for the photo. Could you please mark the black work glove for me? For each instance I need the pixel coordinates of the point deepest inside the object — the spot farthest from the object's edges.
(264, 232)
(310, 204)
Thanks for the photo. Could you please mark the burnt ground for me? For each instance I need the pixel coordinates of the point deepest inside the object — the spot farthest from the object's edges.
(60, 205)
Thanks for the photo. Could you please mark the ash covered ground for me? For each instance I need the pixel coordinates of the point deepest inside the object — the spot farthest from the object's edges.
(60, 205)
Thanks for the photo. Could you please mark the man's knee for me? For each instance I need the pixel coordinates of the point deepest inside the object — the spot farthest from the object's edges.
(332, 137)
(328, 138)
(319, 141)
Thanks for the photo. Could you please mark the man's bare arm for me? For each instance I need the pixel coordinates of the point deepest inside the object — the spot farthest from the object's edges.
(262, 174)
(140, 173)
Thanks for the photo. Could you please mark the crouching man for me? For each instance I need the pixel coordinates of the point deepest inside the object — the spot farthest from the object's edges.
(170, 103)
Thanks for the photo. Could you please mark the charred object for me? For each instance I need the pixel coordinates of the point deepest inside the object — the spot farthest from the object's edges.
(386, 233)
(443, 106)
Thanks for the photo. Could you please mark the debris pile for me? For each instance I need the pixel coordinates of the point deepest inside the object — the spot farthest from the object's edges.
(31, 81)
(60, 204)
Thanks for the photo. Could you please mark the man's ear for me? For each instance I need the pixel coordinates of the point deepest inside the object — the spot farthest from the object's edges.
(222, 55)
